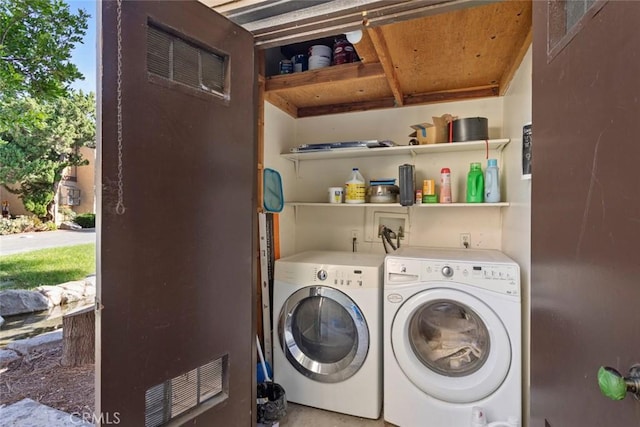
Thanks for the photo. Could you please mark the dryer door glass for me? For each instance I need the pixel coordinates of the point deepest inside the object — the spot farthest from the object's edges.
(323, 334)
(449, 338)
(451, 345)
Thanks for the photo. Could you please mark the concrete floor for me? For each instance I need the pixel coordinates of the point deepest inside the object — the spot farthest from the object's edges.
(305, 416)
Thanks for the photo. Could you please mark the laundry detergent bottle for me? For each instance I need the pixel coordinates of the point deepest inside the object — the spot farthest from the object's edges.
(354, 188)
(492, 182)
(475, 184)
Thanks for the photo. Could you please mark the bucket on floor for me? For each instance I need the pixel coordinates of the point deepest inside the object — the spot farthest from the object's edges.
(272, 404)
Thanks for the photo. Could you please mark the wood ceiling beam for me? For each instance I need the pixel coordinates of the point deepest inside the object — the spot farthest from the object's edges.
(510, 71)
(336, 73)
(278, 101)
(452, 95)
(419, 99)
(375, 104)
(382, 50)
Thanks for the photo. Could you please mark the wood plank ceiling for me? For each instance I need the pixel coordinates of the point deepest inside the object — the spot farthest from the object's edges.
(412, 53)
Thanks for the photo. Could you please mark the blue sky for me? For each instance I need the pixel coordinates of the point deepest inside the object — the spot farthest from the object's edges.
(84, 55)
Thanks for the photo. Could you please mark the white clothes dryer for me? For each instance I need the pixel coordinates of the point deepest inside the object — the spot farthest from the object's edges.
(327, 337)
(452, 337)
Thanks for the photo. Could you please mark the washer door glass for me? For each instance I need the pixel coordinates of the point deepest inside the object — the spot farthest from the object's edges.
(451, 345)
(323, 334)
(449, 338)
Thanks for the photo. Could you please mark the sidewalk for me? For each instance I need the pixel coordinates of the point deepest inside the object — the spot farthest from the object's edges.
(25, 242)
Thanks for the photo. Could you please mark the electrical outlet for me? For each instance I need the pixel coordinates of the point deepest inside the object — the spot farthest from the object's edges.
(355, 234)
(465, 240)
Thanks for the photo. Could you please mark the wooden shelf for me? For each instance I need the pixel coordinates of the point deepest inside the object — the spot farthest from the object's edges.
(398, 205)
(346, 153)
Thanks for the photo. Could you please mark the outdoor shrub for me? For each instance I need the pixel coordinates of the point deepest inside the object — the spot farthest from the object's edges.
(86, 220)
(24, 224)
(67, 213)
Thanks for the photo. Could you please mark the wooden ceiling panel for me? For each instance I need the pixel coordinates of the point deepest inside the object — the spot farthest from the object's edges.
(462, 54)
(464, 48)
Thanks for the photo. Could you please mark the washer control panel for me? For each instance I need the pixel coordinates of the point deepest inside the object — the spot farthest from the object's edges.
(503, 278)
(348, 277)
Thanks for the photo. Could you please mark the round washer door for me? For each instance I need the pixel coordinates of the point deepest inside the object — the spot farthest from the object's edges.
(323, 334)
(451, 345)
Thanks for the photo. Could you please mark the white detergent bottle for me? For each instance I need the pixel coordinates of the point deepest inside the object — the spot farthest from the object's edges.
(492, 182)
(354, 189)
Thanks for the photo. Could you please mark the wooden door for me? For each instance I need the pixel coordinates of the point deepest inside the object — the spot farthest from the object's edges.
(585, 210)
(177, 245)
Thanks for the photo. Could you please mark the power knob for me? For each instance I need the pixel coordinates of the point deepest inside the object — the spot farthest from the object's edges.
(322, 275)
(447, 271)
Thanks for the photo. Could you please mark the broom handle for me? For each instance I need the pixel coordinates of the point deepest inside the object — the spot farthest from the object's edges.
(264, 366)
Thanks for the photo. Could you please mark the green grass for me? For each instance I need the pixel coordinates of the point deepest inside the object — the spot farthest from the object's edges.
(47, 266)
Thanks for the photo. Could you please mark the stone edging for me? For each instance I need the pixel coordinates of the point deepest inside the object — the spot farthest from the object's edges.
(21, 348)
(20, 301)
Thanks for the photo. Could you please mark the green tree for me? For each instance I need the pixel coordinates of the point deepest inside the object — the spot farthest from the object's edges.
(36, 41)
(35, 151)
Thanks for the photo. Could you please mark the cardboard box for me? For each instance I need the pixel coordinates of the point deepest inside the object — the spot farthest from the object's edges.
(425, 133)
(433, 133)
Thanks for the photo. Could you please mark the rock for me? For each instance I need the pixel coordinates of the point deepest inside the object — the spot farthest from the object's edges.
(90, 280)
(40, 342)
(18, 301)
(69, 291)
(1, 320)
(74, 291)
(68, 225)
(53, 293)
(7, 356)
(28, 412)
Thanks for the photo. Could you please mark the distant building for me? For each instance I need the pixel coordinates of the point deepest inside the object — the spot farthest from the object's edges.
(76, 191)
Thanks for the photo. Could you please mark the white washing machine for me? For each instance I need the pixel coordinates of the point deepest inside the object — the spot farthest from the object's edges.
(327, 343)
(452, 337)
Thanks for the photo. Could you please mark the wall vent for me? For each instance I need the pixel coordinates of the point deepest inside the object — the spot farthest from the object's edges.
(176, 397)
(179, 60)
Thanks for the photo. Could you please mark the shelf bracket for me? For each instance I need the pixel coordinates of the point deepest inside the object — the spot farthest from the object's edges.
(296, 167)
(413, 154)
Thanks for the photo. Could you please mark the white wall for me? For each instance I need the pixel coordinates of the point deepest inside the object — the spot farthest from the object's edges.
(279, 134)
(330, 228)
(516, 220)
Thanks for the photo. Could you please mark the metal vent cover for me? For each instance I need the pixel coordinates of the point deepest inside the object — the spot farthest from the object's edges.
(205, 384)
(179, 60)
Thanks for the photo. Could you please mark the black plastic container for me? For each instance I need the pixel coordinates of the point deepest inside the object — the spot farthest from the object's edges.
(470, 129)
(407, 181)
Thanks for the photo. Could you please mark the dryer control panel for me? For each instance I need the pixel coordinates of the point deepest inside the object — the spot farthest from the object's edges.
(503, 278)
(348, 277)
